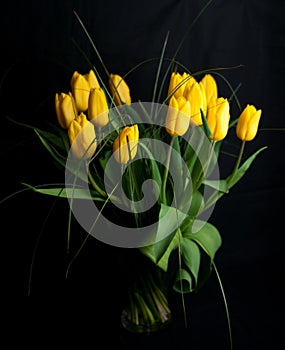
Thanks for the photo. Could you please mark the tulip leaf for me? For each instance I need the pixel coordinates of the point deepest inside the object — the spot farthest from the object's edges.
(206, 127)
(160, 251)
(191, 256)
(206, 236)
(183, 281)
(55, 154)
(153, 164)
(219, 185)
(234, 178)
(77, 193)
(196, 205)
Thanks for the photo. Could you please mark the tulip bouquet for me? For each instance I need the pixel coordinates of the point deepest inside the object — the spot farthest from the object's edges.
(145, 175)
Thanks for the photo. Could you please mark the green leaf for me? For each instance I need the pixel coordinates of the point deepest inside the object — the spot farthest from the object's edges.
(197, 204)
(183, 282)
(234, 178)
(76, 193)
(160, 251)
(206, 127)
(191, 256)
(219, 185)
(55, 154)
(156, 176)
(206, 236)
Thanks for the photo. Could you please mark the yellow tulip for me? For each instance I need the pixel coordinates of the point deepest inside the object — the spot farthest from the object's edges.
(98, 107)
(92, 79)
(218, 118)
(178, 116)
(248, 121)
(196, 96)
(80, 91)
(211, 89)
(177, 84)
(126, 144)
(82, 137)
(65, 109)
(119, 90)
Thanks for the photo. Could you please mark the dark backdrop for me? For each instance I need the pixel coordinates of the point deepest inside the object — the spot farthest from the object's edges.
(40, 43)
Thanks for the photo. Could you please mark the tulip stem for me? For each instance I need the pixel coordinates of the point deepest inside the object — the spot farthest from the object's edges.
(204, 171)
(165, 175)
(214, 197)
(95, 186)
(237, 164)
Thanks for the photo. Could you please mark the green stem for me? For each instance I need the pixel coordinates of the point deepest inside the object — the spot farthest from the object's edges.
(215, 196)
(237, 164)
(95, 185)
(204, 171)
(165, 175)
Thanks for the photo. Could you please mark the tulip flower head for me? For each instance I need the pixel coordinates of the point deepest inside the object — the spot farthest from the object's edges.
(80, 90)
(177, 84)
(92, 79)
(197, 98)
(82, 137)
(218, 117)
(178, 116)
(211, 89)
(98, 107)
(119, 90)
(126, 144)
(65, 109)
(248, 122)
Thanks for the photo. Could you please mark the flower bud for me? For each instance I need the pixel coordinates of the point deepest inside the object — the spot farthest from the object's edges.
(248, 121)
(80, 91)
(177, 84)
(65, 109)
(119, 90)
(178, 116)
(82, 136)
(92, 79)
(218, 118)
(98, 107)
(196, 96)
(211, 89)
(126, 144)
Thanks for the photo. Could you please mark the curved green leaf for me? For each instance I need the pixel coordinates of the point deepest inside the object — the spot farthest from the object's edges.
(183, 282)
(191, 256)
(206, 236)
(234, 178)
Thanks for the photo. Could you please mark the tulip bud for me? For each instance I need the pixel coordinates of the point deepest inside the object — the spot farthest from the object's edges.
(80, 91)
(196, 97)
(178, 116)
(119, 90)
(177, 84)
(92, 79)
(188, 86)
(211, 89)
(248, 121)
(218, 118)
(126, 144)
(98, 107)
(82, 136)
(65, 109)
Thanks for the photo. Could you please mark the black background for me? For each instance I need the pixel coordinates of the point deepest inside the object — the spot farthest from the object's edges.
(39, 52)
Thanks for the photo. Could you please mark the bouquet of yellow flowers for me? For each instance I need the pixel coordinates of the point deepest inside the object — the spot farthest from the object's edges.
(145, 175)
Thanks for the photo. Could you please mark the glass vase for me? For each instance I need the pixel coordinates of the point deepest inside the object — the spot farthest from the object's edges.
(147, 308)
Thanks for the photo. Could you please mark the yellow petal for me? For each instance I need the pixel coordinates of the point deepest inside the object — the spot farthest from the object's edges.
(80, 90)
(98, 107)
(119, 90)
(82, 137)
